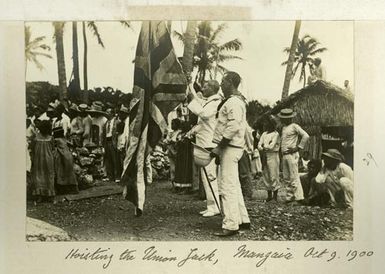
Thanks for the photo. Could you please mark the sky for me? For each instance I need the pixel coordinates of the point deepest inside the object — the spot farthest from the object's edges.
(260, 67)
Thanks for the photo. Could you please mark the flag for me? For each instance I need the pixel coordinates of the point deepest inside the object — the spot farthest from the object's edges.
(160, 85)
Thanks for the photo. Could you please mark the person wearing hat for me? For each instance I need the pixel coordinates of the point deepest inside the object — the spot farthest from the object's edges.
(98, 121)
(229, 135)
(76, 126)
(293, 139)
(204, 131)
(86, 124)
(49, 114)
(61, 119)
(336, 179)
(112, 161)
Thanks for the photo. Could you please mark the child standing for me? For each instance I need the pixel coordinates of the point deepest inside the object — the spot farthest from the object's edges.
(269, 144)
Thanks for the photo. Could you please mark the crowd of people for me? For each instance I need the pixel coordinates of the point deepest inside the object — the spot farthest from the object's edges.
(207, 120)
(240, 153)
(57, 135)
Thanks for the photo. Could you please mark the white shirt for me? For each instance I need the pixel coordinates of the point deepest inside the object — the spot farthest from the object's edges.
(100, 122)
(290, 136)
(65, 123)
(110, 127)
(206, 111)
(124, 137)
(76, 126)
(232, 122)
(43, 117)
(249, 139)
(342, 170)
(269, 141)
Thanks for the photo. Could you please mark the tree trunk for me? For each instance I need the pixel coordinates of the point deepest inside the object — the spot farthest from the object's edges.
(188, 52)
(75, 58)
(304, 77)
(85, 79)
(59, 29)
(289, 68)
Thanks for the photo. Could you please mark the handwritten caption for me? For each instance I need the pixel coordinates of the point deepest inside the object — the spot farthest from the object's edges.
(106, 257)
(369, 159)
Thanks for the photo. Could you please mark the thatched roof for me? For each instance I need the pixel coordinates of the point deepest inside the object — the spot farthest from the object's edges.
(320, 104)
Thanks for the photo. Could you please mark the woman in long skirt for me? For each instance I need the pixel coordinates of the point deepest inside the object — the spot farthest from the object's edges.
(184, 161)
(65, 177)
(43, 172)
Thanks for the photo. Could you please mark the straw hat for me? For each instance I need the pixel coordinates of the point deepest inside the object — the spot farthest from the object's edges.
(124, 109)
(97, 107)
(83, 107)
(334, 154)
(51, 107)
(286, 113)
(201, 156)
(74, 108)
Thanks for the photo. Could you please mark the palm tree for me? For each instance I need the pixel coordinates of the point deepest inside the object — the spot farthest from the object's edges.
(189, 44)
(290, 61)
(91, 25)
(59, 30)
(34, 48)
(209, 53)
(75, 57)
(304, 55)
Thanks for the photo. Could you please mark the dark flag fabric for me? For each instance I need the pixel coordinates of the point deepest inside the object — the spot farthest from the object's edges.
(159, 86)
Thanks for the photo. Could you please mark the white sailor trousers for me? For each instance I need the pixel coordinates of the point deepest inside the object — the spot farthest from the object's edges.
(233, 205)
(211, 170)
(271, 171)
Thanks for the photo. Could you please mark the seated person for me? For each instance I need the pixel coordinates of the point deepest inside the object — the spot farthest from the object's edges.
(334, 183)
(313, 167)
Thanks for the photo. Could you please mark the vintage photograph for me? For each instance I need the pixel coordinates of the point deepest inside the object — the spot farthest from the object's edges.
(189, 130)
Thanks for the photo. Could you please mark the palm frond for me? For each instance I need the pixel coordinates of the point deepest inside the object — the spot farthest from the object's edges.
(45, 47)
(222, 69)
(27, 34)
(233, 45)
(126, 24)
(217, 32)
(37, 43)
(286, 50)
(225, 57)
(313, 46)
(294, 72)
(320, 50)
(205, 28)
(179, 36)
(92, 26)
(37, 63)
(35, 53)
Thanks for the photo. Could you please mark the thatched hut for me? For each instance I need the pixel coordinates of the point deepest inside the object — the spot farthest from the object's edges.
(326, 112)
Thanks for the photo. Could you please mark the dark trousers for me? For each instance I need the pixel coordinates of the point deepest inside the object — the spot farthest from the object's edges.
(245, 176)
